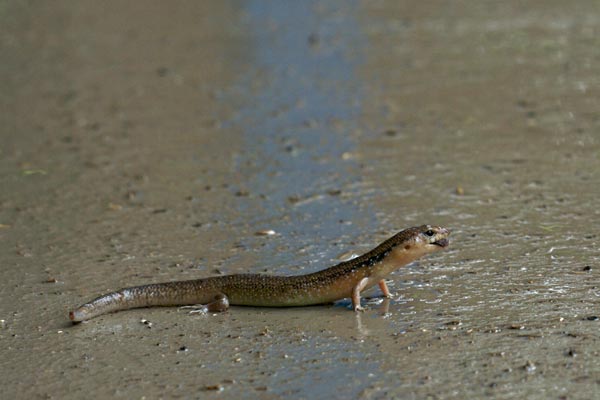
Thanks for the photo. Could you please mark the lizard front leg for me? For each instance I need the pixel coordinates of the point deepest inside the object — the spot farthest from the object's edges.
(356, 294)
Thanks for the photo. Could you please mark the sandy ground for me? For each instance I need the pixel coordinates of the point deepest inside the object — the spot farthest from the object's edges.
(149, 141)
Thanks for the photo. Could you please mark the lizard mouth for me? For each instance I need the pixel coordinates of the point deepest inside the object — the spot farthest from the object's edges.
(442, 242)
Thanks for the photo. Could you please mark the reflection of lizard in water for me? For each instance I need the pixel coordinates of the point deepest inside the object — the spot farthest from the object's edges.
(346, 279)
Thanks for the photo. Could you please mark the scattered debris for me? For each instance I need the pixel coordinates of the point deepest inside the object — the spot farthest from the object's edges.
(146, 322)
(34, 172)
(265, 232)
(313, 39)
(529, 367)
(265, 332)
(218, 387)
(452, 325)
(114, 207)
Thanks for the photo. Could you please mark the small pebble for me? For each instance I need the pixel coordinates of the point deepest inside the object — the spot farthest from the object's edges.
(146, 322)
(266, 232)
(114, 207)
(529, 366)
(162, 71)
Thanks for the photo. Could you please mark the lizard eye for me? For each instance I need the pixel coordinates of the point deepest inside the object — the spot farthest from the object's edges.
(429, 233)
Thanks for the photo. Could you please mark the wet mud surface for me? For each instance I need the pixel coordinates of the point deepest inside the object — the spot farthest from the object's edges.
(140, 148)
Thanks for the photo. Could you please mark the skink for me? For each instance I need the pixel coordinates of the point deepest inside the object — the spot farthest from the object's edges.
(347, 279)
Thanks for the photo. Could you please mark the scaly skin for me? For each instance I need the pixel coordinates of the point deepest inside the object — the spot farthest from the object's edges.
(347, 279)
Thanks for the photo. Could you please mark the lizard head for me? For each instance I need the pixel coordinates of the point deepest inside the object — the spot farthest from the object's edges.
(413, 243)
(423, 239)
(433, 238)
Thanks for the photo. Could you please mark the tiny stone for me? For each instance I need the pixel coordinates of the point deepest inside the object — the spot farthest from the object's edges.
(162, 71)
(529, 366)
(266, 232)
(146, 322)
(313, 39)
(114, 207)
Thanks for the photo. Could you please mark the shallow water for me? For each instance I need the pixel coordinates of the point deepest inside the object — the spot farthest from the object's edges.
(138, 148)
